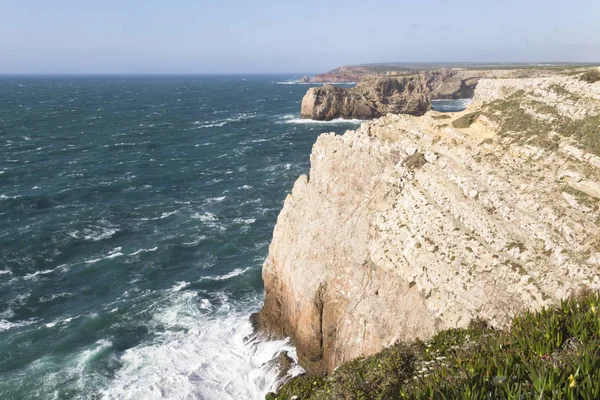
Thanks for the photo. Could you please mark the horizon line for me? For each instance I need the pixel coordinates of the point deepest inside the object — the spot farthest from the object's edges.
(390, 63)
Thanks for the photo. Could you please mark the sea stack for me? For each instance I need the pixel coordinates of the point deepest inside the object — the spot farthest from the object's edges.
(373, 97)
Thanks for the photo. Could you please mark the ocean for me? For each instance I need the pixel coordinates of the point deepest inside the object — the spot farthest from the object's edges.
(135, 215)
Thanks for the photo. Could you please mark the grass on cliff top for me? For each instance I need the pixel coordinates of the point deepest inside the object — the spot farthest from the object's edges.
(515, 117)
(466, 120)
(551, 354)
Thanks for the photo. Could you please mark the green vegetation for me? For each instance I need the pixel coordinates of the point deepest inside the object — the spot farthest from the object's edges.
(414, 161)
(551, 354)
(466, 120)
(517, 117)
(592, 76)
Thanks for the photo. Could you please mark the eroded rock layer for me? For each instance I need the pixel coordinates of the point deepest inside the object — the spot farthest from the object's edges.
(411, 225)
(371, 98)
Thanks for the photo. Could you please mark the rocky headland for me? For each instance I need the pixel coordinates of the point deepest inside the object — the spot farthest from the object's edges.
(444, 82)
(411, 225)
(371, 98)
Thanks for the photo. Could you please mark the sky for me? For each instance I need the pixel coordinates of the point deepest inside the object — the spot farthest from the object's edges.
(303, 37)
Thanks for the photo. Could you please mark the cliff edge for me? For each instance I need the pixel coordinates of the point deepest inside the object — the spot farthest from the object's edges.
(411, 225)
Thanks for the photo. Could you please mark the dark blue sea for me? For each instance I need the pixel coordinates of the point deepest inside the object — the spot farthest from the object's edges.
(135, 215)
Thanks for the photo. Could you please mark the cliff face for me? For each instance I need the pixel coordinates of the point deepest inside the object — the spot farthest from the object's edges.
(442, 83)
(409, 225)
(329, 102)
(371, 98)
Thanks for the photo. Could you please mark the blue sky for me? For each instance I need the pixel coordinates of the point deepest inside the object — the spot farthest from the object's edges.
(235, 36)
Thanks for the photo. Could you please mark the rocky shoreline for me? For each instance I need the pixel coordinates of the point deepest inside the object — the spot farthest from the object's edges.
(411, 225)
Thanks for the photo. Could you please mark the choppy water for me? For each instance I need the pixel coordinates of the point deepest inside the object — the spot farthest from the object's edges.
(135, 214)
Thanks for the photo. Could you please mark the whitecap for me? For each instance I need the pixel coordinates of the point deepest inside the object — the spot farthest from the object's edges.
(206, 217)
(195, 242)
(45, 299)
(96, 235)
(167, 214)
(246, 221)
(4, 197)
(234, 273)
(222, 122)
(337, 121)
(38, 273)
(7, 325)
(116, 252)
(143, 251)
(216, 199)
(179, 285)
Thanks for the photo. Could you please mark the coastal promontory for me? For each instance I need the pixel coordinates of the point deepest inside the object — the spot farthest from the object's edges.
(371, 98)
(411, 225)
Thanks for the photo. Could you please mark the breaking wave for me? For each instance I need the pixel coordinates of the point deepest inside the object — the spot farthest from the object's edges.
(208, 351)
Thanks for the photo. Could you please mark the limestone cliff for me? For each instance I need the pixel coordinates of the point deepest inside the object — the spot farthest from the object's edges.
(444, 82)
(410, 225)
(371, 98)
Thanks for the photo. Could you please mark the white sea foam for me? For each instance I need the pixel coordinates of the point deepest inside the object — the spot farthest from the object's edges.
(135, 253)
(299, 82)
(216, 199)
(245, 221)
(116, 252)
(206, 217)
(196, 241)
(179, 285)
(235, 272)
(7, 325)
(336, 121)
(94, 234)
(4, 197)
(293, 82)
(210, 220)
(210, 358)
(222, 122)
(167, 214)
(60, 321)
(71, 371)
(54, 296)
(5, 271)
(38, 273)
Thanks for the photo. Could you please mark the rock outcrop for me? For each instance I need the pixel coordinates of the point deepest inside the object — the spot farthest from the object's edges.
(371, 98)
(329, 102)
(410, 225)
(443, 83)
(343, 74)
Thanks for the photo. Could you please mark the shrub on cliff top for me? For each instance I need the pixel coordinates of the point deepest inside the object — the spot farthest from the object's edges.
(550, 354)
(591, 76)
(466, 120)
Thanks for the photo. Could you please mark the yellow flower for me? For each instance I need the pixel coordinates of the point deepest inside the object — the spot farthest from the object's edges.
(572, 382)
